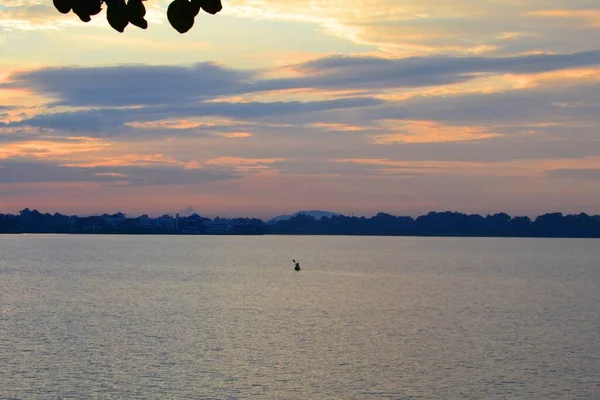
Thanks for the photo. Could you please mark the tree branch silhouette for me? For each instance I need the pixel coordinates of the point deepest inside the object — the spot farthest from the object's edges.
(180, 13)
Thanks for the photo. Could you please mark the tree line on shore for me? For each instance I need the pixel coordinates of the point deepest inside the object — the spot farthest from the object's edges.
(432, 224)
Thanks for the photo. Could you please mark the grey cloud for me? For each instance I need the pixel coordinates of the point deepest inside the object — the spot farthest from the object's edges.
(341, 168)
(172, 85)
(492, 150)
(543, 103)
(26, 171)
(133, 84)
(172, 92)
(589, 173)
(314, 145)
(144, 176)
(456, 65)
(15, 137)
(344, 72)
(323, 167)
(23, 136)
(109, 122)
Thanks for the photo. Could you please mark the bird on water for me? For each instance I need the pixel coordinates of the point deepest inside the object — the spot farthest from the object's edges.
(297, 265)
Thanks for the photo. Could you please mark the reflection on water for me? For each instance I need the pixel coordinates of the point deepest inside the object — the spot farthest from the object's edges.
(229, 318)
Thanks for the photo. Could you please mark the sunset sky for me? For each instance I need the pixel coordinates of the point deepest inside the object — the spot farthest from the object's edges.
(274, 106)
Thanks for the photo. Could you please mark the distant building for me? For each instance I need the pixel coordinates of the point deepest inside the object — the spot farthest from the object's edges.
(146, 222)
(165, 222)
(193, 224)
(93, 224)
(217, 226)
(73, 223)
(115, 220)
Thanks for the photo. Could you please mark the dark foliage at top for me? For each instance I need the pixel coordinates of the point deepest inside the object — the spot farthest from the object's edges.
(181, 13)
(432, 224)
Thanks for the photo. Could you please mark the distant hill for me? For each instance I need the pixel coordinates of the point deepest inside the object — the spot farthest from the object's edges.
(316, 214)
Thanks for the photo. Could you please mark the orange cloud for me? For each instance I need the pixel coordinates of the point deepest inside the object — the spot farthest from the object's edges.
(188, 123)
(403, 28)
(134, 159)
(241, 164)
(115, 174)
(234, 135)
(486, 83)
(53, 149)
(566, 77)
(415, 131)
(235, 161)
(497, 83)
(340, 127)
(592, 17)
(245, 164)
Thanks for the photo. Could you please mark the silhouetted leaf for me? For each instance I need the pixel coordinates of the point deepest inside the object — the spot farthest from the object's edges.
(116, 14)
(63, 6)
(212, 6)
(86, 8)
(136, 12)
(180, 15)
(196, 5)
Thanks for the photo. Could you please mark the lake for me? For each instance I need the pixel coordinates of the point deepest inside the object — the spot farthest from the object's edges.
(227, 317)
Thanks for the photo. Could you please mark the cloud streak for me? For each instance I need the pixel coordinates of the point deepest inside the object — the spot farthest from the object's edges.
(25, 171)
(112, 101)
(158, 85)
(585, 174)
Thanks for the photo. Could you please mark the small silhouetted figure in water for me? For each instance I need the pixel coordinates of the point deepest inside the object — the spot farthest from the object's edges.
(297, 267)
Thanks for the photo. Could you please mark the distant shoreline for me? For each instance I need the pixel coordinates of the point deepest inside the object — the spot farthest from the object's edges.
(432, 224)
(294, 234)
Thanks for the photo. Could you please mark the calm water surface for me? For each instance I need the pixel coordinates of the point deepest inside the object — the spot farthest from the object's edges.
(157, 317)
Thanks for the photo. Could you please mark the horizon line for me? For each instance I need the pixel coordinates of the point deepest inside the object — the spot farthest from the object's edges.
(134, 215)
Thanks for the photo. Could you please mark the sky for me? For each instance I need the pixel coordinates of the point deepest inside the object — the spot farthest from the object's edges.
(275, 106)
